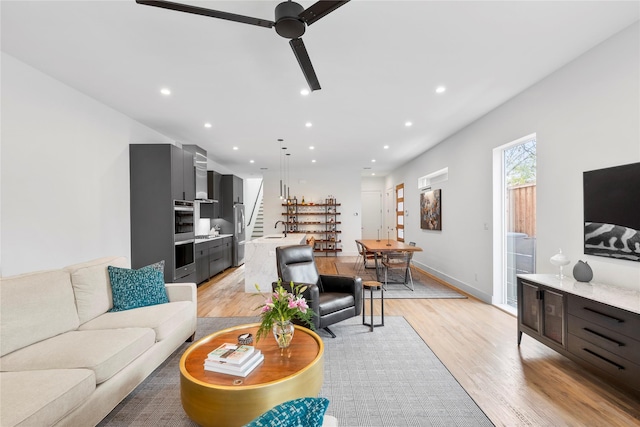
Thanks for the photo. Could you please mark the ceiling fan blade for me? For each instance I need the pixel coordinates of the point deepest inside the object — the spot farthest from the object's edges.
(207, 12)
(319, 10)
(305, 63)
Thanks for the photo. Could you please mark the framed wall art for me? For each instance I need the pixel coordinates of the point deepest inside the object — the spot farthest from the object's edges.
(431, 210)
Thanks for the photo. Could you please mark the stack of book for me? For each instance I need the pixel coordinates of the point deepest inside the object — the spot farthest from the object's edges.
(233, 359)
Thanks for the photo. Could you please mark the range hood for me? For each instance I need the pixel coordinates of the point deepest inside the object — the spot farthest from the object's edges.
(200, 162)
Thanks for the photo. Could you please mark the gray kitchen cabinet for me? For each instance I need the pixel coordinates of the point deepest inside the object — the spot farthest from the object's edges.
(216, 257)
(227, 252)
(213, 257)
(154, 176)
(202, 262)
(183, 174)
(232, 193)
(214, 182)
(212, 210)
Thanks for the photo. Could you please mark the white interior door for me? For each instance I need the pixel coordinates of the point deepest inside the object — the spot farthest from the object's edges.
(371, 214)
(390, 212)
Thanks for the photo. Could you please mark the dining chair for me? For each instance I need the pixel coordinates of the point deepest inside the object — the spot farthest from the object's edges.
(400, 261)
(363, 257)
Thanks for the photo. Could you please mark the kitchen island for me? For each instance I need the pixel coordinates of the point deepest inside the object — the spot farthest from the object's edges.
(260, 260)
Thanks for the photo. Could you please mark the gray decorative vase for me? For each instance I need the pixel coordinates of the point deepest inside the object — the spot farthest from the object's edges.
(582, 272)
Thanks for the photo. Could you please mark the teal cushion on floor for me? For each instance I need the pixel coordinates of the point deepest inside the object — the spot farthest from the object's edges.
(303, 412)
(137, 288)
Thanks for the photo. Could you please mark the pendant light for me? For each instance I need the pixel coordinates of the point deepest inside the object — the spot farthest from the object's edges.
(287, 174)
(280, 154)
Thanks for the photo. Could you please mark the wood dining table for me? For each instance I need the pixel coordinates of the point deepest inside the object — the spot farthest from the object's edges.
(380, 247)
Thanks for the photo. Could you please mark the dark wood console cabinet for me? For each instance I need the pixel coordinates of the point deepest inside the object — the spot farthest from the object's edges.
(595, 325)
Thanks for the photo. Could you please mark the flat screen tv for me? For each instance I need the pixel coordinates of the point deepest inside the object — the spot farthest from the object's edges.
(612, 212)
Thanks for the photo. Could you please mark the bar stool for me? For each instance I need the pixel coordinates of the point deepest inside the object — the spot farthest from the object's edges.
(372, 286)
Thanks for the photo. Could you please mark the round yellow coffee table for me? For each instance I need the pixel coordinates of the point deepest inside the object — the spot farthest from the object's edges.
(219, 400)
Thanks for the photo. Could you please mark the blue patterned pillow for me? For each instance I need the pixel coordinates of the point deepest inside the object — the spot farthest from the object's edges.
(137, 288)
(303, 412)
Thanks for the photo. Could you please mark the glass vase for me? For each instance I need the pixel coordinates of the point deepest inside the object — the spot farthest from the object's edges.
(283, 333)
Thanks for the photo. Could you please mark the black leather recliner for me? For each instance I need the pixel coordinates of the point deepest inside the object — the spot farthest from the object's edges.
(332, 298)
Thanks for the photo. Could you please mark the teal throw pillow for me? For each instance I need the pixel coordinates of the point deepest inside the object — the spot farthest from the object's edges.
(137, 288)
(303, 412)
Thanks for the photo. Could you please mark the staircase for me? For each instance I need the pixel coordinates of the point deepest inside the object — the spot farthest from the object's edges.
(258, 228)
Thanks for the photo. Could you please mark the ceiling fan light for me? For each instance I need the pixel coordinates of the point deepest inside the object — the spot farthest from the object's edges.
(288, 24)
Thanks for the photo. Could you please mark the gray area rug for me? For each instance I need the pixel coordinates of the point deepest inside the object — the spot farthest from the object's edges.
(388, 377)
(424, 286)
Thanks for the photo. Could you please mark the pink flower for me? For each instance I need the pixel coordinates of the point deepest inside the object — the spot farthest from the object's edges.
(302, 305)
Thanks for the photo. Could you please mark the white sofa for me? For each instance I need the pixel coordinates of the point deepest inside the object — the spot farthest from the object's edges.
(64, 359)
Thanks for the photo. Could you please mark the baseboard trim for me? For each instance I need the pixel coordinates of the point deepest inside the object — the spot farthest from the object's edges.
(449, 281)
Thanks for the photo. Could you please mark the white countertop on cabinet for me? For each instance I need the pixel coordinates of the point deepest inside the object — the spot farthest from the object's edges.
(260, 259)
(616, 296)
(208, 239)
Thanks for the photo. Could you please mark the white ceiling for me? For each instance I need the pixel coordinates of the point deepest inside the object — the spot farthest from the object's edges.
(378, 63)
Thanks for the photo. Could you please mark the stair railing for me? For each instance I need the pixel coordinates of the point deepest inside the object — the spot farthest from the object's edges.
(255, 203)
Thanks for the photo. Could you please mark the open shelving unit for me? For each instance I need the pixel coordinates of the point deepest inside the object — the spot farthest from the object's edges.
(320, 220)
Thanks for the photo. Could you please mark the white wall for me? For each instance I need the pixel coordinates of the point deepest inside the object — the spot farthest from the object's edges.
(372, 184)
(586, 116)
(65, 173)
(344, 186)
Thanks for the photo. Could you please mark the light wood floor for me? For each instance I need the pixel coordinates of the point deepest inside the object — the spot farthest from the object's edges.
(529, 385)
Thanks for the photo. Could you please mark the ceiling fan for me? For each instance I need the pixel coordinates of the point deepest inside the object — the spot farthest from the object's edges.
(291, 20)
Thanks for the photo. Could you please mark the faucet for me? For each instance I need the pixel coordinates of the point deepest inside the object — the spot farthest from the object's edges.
(285, 227)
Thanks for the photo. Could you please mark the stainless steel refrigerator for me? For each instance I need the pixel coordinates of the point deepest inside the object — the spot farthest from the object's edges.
(238, 234)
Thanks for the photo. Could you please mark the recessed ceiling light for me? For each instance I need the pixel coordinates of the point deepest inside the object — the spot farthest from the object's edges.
(408, 124)
(304, 92)
(235, 148)
(311, 147)
(440, 89)
(308, 124)
(386, 147)
(207, 125)
(252, 161)
(373, 173)
(165, 91)
(313, 161)
(373, 160)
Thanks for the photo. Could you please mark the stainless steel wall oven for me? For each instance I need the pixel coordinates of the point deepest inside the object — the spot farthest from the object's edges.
(184, 257)
(184, 247)
(184, 220)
